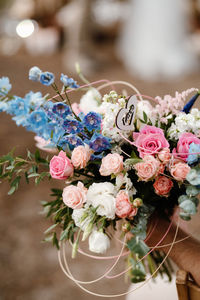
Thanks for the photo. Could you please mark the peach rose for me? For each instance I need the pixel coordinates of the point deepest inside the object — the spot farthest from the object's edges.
(133, 213)
(80, 156)
(162, 186)
(111, 164)
(179, 170)
(123, 205)
(147, 169)
(61, 166)
(164, 155)
(74, 196)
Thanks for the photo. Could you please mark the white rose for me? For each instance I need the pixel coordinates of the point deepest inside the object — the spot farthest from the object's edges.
(77, 215)
(89, 101)
(103, 196)
(98, 242)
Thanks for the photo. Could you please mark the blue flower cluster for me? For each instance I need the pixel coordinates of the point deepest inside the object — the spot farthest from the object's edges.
(55, 121)
(193, 158)
(69, 82)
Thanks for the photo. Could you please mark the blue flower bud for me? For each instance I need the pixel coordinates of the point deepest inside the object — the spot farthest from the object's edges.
(47, 78)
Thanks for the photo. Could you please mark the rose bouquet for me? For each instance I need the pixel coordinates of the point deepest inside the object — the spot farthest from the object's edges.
(123, 160)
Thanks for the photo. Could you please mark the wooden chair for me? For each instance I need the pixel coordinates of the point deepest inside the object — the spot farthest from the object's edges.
(186, 288)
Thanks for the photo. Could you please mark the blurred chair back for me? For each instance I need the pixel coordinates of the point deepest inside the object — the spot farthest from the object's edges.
(186, 289)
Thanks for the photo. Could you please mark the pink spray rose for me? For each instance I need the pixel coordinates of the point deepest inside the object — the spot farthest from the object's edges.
(179, 170)
(148, 168)
(111, 164)
(150, 140)
(162, 186)
(61, 166)
(80, 156)
(74, 196)
(164, 155)
(184, 144)
(124, 208)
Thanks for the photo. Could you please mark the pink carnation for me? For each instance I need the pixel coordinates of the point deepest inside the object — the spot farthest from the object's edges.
(150, 140)
(61, 166)
(124, 208)
(162, 186)
(148, 168)
(80, 156)
(74, 196)
(183, 145)
(111, 164)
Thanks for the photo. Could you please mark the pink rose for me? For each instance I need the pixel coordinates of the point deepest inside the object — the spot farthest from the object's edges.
(80, 156)
(148, 168)
(43, 145)
(111, 164)
(74, 196)
(150, 140)
(124, 208)
(164, 155)
(184, 143)
(61, 166)
(162, 186)
(179, 170)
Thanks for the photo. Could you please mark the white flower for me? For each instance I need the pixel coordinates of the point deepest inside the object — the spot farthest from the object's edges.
(77, 216)
(98, 242)
(102, 195)
(90, 101)
(124, 179)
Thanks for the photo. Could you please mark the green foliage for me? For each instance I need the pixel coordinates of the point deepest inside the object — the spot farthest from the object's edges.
(13, 168)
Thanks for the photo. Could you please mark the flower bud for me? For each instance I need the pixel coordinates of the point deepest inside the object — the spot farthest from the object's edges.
(137, 202)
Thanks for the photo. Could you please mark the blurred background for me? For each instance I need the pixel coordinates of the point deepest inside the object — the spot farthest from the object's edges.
(154, 44)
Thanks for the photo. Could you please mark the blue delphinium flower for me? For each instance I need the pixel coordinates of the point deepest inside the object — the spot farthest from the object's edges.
(34, 74)
(37, 119)
(99, 143)
(5, 86)
(61, 109)
(47, 78)
(72, 126)
(92, 121)
(34, 99)
(18, 107)
(69, 82)
(71, 141)
(51, 131)
(192, 158)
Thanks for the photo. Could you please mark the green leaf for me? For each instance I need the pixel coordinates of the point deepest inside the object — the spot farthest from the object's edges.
(192, 190)
(132, 161)
(12, 190)
(55, 241)
(50, 228)
(138, 246)
(41, 177)
(33, 175)
(188, 207)
(145, 117)
(138, 271)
